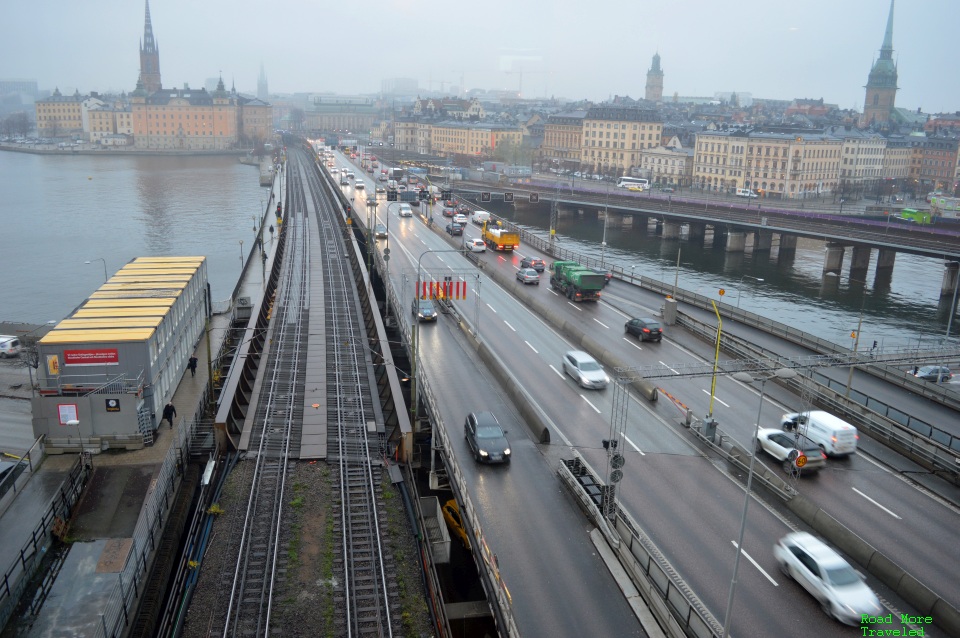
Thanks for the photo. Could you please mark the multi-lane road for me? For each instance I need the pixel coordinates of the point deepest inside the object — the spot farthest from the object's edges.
(685, 499)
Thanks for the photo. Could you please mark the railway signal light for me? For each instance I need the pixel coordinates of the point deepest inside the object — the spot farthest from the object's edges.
(508, 197)
(484, 197)
(534, 198)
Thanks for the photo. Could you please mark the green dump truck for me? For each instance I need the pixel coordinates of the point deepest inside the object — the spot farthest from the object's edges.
(577, 282)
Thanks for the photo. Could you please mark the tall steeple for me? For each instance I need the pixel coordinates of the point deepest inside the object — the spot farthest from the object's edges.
(654, 88)
(882, 82)
(262, 92)
(149, 55)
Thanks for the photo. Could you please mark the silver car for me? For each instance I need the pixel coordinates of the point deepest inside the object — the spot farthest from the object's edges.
(795, 452)
(585, 370)
(528, 276)
(820, 570)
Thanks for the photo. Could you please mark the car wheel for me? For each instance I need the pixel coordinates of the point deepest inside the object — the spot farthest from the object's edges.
(828, 609)
(823, 449)
(536, 283)
(759, 447)
(788, 466)
(785, 570)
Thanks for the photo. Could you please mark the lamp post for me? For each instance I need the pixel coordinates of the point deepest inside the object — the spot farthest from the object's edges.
(106, 278)
(740, 287)
(780, 373)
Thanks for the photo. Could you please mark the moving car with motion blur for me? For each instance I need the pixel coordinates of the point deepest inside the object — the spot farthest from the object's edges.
(585, 370)
(796, 453)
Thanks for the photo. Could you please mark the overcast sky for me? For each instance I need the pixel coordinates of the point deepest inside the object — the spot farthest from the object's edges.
(592, 50)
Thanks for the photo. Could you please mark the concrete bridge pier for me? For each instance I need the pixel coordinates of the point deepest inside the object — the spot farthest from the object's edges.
(763, 241)
(833, 258)
(736, 241)
(951, 277)
(859, 262)
(696, 233)
(671, 230)
(788, 244)
(626, 221)
(652, 224)
(885, 259)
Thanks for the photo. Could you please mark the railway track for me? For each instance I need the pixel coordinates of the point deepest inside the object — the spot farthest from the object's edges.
(366, 600)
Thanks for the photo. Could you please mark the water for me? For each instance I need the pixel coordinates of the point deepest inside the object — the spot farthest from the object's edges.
(58, 212)
(905, 309)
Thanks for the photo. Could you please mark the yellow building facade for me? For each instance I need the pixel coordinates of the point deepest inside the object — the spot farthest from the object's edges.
(613, 138)
(60, 115)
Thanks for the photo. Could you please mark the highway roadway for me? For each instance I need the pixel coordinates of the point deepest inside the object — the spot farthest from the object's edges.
(682, 497)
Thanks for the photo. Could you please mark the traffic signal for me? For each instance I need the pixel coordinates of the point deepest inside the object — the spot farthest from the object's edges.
(508, 197)
(484, 197)
(447, 194)
(424, 195)
(534, 198)
(391, 195)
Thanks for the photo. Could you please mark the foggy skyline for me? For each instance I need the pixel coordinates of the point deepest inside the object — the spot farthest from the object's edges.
(581, 51)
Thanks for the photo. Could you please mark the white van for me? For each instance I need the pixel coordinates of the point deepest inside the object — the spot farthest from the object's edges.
(835, 436)
(746, 192)
(480, 217)
(9, 346)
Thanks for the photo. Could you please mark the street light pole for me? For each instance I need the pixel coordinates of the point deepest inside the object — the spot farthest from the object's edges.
(781, 373)
(106, 278)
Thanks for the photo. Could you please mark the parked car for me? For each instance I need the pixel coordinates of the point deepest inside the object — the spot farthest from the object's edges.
(585, 370)
(380, 231)
(423, 310)
(528, 276)
(820, 570)
(476, 246)
(451, 514)
(533, 262)
(937, 374)
(644, 328)
(405, 210)
(485, 438)
(794, 451)
(454, 229)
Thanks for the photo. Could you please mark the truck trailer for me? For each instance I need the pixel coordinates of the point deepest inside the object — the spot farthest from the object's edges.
(577, 282)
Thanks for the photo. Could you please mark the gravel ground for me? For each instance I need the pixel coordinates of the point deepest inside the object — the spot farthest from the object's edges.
(307, 601)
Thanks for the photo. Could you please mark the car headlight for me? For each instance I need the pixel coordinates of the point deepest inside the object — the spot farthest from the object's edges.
(506, 452)
(483, 453)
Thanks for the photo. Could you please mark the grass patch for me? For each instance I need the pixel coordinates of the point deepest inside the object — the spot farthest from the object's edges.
(297, 503)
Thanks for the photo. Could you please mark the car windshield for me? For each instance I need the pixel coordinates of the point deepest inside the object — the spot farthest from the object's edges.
(589, 365)
(653, 325)
(489, 432)
(426, 306)
(841, 576)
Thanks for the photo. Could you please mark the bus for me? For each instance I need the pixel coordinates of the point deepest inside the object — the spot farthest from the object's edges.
(633, 183)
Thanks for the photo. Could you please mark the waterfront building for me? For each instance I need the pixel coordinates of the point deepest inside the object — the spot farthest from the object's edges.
(670, 165)
(60, 115)
(654, 88)
(614, 136)
(861, 161)
(562, 139)
(881, 88)
(454, 137)
(896, 161)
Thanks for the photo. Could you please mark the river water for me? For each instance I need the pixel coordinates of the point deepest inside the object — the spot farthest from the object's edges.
(59, 211)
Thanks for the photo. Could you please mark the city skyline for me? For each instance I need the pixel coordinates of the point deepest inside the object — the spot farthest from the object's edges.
(786, 55)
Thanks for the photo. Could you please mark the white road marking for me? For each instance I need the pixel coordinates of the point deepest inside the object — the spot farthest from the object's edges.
(552, 291)
(595, 408)
(573, 305)
(633, 343)
(514, 329)
(875, 503)
(559, 373)
(531, 347)
(668, 368)
(707, 392)
(633, 445)
(759, 569)
(492, 308)
(602, 324)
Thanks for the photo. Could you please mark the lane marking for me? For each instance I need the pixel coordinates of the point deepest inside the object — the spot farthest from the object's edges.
(633, 445)
(759, 569)
(633, 343)
(707, 392)
(668, 368)
(595, 408)
(573, 305)
(601, 323)
(552, 291)
(531, 347)
(559, 373)
(509, 326)
(492, 308)
(876, 503)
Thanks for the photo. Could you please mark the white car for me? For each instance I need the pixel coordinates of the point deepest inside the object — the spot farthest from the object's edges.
(359, 185)
(460, 218)
(476, 246)
(405, 210)
(820, 570)
(584, 369)
(795, 452)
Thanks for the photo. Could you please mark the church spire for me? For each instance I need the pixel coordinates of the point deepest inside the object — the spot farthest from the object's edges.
(149, 55)
(878, 106)
(886, 50)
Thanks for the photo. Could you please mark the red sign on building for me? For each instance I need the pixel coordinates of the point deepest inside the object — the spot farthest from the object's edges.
(92, 357)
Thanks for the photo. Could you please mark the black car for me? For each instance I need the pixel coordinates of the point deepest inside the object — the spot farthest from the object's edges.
(454, 229)
(533, 262)
(485, 438)
(645, 329)
(423, 310)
